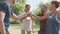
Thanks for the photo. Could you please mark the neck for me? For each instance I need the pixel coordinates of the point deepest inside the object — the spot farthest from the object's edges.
(53, 12)
(26, 11)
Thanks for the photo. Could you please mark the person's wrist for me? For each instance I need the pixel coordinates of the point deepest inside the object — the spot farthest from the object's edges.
(26, 15)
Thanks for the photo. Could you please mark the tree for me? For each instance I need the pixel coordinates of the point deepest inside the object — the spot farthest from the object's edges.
(18, 8)
(40, 5)
(38, 11)
(21, 1)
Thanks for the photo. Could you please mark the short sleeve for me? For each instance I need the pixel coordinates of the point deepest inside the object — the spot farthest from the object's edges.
(2, 7)
(5, 7)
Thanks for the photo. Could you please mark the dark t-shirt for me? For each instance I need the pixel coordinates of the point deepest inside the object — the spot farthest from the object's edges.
(5, 7)
(43, 23)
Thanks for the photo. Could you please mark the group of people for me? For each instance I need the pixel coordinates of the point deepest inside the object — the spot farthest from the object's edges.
(49, 20)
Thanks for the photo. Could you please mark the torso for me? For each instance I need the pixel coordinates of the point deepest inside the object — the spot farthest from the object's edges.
(6, 8)
(27, 24)
(43, 23)
(52, 25)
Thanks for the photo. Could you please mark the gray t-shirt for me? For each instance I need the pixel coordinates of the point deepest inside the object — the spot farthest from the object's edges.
(5, 7)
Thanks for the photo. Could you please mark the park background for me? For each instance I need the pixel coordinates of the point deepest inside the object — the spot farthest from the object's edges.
(18, 8)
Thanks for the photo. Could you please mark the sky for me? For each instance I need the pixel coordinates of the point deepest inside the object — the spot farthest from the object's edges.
(35, 3)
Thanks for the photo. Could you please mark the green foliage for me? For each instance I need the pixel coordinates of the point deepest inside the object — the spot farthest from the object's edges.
(18, 8)
(40, 5)
(36, 22)
(21, 1)
(36, 12)
(48, 5)
(15, 22)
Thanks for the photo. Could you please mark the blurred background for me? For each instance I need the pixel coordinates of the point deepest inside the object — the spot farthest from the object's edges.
(18, 8)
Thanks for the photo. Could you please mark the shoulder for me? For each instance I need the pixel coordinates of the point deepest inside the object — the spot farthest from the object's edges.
(3, 2)
(23, 13)
(58, 11)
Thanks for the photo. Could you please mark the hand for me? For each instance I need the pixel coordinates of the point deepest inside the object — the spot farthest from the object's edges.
(36, 17)
(28, 14)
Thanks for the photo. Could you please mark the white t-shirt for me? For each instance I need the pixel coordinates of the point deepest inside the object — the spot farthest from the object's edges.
(27, 23)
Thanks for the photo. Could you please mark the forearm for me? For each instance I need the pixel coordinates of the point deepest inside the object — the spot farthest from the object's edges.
(15, 17)
(32, 17)
(2, 28)
(23, 17)
(39, 18)
(42, 17)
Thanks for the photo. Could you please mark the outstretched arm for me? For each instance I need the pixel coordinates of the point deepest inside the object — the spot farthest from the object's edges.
(32, 17)
(42, 17)
(22, 17)
(2, 27)
(15, 17)
(18, 17)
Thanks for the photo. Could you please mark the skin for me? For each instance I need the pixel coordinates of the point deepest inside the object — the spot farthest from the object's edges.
(44, 10)
(53, 9)
(14, 16)
(11, 1)
(2, 16)
(2, 27)
(59, 15)
(27, 9)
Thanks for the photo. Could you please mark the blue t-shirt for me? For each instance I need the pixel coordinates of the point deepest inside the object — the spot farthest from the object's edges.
(5, 7)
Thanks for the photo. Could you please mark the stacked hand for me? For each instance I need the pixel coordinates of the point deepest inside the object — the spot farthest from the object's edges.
(29, 14)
